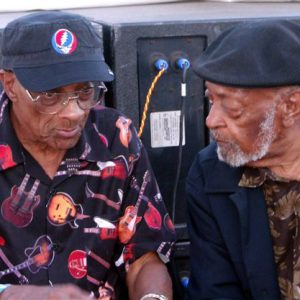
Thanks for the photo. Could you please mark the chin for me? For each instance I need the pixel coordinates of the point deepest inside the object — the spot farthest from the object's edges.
(65, 144)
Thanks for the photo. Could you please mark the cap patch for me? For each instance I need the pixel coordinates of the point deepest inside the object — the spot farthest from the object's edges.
(64, 41)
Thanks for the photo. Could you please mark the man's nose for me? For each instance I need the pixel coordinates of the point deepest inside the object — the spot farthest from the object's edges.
(215, 118)
(71, 107)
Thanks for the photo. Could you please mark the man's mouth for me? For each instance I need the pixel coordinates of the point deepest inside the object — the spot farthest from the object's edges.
(69, 132)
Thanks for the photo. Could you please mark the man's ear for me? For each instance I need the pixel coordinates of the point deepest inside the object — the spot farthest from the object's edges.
(8, 80)
(290, 108)
(1, 74)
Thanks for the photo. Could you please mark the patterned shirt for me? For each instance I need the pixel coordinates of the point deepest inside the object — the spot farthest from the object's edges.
(100, 212)
(283, 205)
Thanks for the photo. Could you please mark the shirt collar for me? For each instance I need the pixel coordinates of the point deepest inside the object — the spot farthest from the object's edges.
(255, 177)
(10, 147)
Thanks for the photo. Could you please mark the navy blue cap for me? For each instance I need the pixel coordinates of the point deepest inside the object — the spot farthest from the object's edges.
(253, 54)
(51, 49)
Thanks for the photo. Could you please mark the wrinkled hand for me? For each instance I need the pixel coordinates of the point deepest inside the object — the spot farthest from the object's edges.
(33, 292)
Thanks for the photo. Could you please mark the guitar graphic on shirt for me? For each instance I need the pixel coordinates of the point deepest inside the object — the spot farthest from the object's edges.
(40, 256)
(62, 210)
(90, 194)
(128, 222)
(105, 229)
(19, 206)
(104, 233)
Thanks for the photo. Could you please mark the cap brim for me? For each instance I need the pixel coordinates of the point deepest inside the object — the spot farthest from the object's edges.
(45, 78)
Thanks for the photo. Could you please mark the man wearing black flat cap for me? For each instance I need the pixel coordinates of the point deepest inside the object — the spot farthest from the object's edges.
(78, 199)
(243, 190)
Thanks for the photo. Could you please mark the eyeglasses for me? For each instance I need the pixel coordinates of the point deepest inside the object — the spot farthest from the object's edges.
(52, 102)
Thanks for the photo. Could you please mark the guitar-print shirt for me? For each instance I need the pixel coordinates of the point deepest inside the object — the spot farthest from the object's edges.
(101, 211)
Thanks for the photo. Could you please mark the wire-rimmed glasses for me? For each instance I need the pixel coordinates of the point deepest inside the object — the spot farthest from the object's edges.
(53, 102)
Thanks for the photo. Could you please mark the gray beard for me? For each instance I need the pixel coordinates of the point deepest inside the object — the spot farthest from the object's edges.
(236, 157)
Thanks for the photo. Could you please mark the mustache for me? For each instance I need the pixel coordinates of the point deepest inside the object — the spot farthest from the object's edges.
(213, 134)
(219, 137)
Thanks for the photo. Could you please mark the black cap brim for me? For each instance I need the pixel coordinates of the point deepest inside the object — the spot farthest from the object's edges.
(45, 78)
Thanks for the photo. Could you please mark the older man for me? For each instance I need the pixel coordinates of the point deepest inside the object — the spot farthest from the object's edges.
(78, 197)
(243, 190)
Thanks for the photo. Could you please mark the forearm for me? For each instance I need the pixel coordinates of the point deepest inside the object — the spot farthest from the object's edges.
(150, 277)
(59, 292)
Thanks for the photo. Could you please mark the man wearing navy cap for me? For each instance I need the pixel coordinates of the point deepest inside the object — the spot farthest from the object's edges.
(78, 198)
(243, 190)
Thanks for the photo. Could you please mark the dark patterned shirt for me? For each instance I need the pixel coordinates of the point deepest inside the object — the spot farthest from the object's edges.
(101, 211)
(283, 204)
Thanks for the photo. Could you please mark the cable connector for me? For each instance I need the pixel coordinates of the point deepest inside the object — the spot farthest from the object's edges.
(185, 281)
(161, 64)
(182, 63)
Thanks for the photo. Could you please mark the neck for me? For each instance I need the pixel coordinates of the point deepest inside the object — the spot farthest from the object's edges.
(289, 168)
(48, 158)
(283, 159)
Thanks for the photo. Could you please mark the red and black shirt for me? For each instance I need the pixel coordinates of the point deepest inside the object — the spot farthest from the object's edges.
(100, 212)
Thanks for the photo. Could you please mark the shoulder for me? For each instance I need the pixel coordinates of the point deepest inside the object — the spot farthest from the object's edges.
(105, 114)
(108, 121)
(204, 161)
(115, 130)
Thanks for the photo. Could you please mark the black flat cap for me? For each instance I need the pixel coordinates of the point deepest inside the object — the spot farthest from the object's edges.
(253, 54)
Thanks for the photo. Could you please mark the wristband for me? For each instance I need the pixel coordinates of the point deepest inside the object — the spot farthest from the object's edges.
(155, 296)
(3, 287)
